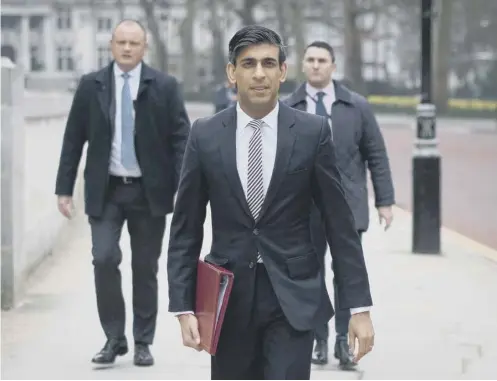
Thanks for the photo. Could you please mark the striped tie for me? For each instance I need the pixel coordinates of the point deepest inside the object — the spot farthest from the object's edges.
(255, 174)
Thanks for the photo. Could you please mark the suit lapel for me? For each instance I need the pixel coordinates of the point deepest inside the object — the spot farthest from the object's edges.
(104, 80)
(228, 157)
(284, 149)
(146, 77)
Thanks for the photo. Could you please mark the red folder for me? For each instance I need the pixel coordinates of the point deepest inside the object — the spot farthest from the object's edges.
(214, 286)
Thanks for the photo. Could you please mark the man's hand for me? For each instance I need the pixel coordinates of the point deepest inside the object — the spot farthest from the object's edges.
(66, 206)
(385, 213)
(360, 328)
(189, 331)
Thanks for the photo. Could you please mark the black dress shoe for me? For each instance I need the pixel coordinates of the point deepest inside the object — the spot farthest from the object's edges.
(320, 355)
(346, 360)
(143, 357)
(111, 349)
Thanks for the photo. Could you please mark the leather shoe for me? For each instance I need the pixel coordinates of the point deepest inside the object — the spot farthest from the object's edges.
(143, 357)
(320, 355)
(111, 349)
(346, 360)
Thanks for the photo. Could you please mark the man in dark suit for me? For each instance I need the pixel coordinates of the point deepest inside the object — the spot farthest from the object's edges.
(359, 145)
(260, 165)
(225, 97)
(134, 121)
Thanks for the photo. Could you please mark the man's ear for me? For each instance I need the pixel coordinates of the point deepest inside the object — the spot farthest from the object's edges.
(230, 73)
(284, 69)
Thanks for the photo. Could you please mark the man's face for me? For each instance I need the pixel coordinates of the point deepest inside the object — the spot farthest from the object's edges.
(257, 75)
(128, 45)
(318, 66)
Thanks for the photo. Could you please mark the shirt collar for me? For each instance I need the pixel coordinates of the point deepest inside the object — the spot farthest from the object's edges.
(270, 120)
(328, 90)
(135, 72)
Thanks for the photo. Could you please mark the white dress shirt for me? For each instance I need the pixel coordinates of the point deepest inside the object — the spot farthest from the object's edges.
(269, 144)
(115, 166)
(269, 140)
(312, 97)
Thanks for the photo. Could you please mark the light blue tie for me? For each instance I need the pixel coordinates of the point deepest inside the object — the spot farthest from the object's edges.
(128, 155)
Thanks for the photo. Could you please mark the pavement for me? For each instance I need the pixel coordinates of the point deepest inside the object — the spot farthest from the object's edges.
(435, 316)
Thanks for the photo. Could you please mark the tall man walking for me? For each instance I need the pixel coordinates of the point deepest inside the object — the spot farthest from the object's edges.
(261, 165)
(134, 121)
(359, 145)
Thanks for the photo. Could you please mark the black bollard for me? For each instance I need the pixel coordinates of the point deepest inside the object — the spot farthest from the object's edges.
(426, 164)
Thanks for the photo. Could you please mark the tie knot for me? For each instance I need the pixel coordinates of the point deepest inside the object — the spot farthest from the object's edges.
(125, 75)
(320, 95)
(256, 124)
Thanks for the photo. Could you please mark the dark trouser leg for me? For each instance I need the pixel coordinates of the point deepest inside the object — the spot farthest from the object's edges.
(286, 353)
(265, 346)
(106, 232)
(146, 234)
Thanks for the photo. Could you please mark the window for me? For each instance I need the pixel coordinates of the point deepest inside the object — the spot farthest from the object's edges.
(104, 56)
(65, 60)
(64, 18)
(36, 63)
(104, 24)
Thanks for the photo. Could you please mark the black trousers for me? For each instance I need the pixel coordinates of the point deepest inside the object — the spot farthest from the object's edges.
(266, 347)
(127, 202)
(342, 316)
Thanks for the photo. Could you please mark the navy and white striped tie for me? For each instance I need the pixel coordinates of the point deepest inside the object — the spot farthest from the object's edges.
(255, 173)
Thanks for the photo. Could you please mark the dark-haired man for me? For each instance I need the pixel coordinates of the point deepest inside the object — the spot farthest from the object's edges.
(276, 161)
(135, 123)
(359, 145)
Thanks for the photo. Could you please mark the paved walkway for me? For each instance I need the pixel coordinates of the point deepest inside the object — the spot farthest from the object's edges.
(435, 316)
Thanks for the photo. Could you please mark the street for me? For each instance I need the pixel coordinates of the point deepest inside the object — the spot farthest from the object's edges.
(468, 179)
(434, 316)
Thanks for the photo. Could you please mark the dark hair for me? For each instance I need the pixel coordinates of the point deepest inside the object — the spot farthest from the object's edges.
(254, 35)
(322, 45)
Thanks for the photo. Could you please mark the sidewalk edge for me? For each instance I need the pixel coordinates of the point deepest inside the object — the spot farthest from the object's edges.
(460, 239)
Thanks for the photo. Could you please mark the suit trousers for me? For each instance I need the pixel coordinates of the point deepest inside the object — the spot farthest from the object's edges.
(267, 346)
(342, 316)
(127, 202)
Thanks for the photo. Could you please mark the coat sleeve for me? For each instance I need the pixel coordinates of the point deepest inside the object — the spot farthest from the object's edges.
(74, 139)
(187, 229)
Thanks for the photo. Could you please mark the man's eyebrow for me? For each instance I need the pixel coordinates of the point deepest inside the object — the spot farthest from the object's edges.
(251, 59)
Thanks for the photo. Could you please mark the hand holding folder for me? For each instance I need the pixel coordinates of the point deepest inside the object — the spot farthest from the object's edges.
(214, 286)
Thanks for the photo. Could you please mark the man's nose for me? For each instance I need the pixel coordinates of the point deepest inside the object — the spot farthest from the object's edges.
(259, 71)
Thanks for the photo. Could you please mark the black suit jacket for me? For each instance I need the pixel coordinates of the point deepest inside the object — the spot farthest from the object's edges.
(162, 127)
(304, 171)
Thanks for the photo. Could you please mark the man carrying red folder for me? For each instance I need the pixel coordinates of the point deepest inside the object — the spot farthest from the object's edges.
(261, 165)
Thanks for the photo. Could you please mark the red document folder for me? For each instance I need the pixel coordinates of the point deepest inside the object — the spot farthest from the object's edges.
(214, 286)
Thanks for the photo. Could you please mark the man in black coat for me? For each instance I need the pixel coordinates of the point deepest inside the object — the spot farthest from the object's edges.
(135, 123)
(359, 145)
(261, 165)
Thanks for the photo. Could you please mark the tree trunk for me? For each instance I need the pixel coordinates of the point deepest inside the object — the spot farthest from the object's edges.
(298, 30)
(120, 7)
(218, 57)
(160, 49)
(353, 48)
(189, 69)
(441, 54)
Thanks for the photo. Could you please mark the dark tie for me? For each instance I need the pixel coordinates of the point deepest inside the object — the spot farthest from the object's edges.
(128, 155)
(320, 107)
